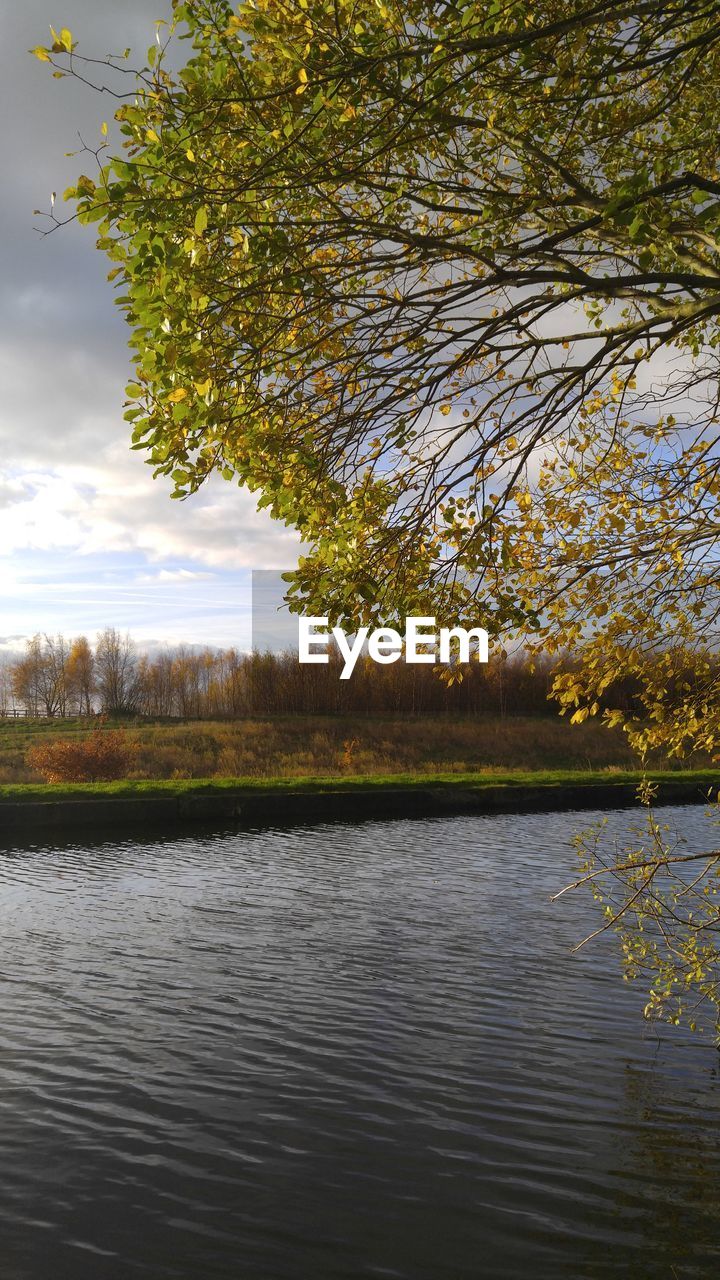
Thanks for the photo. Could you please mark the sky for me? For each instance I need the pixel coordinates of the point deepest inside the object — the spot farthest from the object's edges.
(87, 538)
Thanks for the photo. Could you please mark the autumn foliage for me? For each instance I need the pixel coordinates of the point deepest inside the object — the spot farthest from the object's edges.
(100, 756)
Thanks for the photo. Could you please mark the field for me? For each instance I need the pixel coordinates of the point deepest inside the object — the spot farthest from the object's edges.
(301, 747)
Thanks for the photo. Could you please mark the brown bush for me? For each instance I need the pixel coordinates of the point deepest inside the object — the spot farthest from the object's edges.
(102, 756)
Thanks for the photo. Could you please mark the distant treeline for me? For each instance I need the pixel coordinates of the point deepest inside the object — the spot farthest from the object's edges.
(60, 677)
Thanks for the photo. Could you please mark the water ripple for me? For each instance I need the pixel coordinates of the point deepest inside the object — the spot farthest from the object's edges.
(339, 1052)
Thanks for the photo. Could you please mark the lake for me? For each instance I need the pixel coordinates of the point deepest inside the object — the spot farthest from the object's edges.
(336, 1052)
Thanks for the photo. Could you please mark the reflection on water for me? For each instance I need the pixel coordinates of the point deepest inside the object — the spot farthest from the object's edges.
(345, 1051)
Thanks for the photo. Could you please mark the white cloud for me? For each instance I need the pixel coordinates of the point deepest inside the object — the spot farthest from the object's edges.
(71, 481)
(169, 576)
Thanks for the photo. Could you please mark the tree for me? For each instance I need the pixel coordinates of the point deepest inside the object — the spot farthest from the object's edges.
(38, 679)
(374, 256)
(79, 676)
(116, 670)
(441, 283)
(407, 269)
(26, 677)
(5, 685)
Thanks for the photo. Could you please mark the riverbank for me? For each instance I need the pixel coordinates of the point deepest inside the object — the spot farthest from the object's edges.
(277, 802)
(299, 747)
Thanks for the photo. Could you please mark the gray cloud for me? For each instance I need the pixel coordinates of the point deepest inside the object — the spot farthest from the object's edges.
(69, 483)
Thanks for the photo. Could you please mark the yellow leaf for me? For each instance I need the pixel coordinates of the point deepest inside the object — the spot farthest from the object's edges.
(302, 76)
(152, 136)
(104, 128)
(176, 396)
(444, 409)
(41, 54)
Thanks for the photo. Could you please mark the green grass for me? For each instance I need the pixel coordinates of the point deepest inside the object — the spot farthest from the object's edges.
(35, 792)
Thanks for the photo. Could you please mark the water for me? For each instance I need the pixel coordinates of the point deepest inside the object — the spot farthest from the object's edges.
(339, 1052)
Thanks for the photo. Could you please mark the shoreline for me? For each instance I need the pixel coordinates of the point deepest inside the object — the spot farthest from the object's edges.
(279, 802)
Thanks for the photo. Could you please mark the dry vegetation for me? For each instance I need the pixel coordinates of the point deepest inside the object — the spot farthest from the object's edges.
(211, 714)
(102, 755)
(299, 746)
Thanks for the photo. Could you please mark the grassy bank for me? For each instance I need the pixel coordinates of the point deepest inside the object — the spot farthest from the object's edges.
(704, 780)
(312, 747)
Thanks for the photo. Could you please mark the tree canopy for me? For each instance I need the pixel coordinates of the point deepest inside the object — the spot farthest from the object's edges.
(402, 267)
(440, 281)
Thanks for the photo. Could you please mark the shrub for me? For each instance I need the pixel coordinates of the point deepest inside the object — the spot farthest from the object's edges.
(102, 756)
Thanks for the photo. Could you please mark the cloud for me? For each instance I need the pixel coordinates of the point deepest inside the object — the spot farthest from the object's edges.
(12, 492)
(70, 480)
(166, 576)
(118, 508)
(87, 537)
